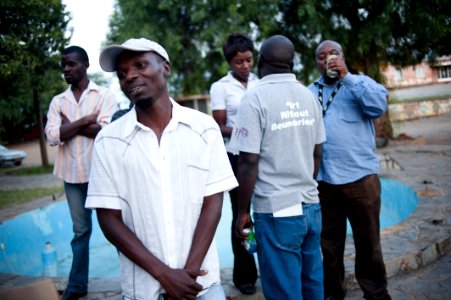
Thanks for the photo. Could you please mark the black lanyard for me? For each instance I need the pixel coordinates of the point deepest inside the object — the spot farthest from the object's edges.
(320, 96)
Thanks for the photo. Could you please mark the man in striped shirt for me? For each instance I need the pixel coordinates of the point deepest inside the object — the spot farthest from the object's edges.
(74, 119)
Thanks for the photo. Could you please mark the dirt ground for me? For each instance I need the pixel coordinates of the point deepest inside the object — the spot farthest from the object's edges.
(431, 131)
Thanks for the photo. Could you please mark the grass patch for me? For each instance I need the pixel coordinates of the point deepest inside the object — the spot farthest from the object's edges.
(34, 170)
(15, 197)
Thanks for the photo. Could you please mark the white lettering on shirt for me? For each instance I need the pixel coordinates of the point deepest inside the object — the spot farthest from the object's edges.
(293, 117)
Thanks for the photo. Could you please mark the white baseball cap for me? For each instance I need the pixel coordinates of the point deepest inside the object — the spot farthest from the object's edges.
(109, 54)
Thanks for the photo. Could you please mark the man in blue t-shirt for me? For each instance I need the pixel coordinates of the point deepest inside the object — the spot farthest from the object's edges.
(349, 187)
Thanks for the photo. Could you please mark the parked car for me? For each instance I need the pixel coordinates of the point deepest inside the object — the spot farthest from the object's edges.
(8, 157)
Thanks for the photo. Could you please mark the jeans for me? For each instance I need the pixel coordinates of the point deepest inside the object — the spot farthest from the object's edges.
(244, 266)
(82, 227)
(289, 254)
(359, 202)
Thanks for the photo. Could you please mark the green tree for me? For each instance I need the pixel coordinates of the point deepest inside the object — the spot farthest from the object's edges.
(192, 32)
(100, 79)
(372, 32)
(32, 34)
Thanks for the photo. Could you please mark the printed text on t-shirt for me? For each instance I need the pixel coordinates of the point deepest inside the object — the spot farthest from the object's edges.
(293, 117)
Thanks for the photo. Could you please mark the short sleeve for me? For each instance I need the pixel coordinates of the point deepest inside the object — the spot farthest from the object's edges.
(102, 191)
(249, 135)
(220, 177)
(108, 108)
(217, 96)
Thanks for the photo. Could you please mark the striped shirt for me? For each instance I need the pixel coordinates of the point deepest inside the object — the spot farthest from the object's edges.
(73, 160)
(160, 189)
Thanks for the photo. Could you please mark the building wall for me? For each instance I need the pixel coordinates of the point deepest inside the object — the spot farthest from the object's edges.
(420, 74)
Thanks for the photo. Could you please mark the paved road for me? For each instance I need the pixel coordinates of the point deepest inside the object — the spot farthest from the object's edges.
(432, 282)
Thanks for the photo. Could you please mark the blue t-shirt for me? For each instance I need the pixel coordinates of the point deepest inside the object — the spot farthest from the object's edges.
(349, 151)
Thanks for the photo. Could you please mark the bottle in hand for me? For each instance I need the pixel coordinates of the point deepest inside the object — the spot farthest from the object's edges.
(250, 244)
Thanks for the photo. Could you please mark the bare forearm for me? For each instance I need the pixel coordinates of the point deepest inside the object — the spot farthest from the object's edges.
(247, 176)
(226, 131)
(317, 155)
(90, 131)
(220, 117)
(177, 283)
(205, 231)
(128, 244)
(68, 129)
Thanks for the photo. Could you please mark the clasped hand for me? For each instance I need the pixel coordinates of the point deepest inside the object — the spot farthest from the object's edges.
(180, 284)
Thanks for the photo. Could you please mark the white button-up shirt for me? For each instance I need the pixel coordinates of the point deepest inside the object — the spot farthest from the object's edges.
(160, 188)
(226, 94)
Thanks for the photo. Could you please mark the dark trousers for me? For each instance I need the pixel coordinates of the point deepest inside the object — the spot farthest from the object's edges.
(244, 267)
(359, 202)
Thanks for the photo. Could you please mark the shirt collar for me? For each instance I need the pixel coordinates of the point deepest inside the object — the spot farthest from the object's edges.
(320, 81)
(178, 116)
(92, 86)
(233, 80)
(275, 78)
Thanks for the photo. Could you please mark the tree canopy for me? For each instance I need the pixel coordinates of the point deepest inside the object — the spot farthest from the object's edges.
(32, 34)
(372, 32)
(191, 31)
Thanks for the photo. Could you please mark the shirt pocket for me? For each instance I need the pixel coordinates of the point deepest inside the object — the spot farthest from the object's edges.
(350, 113)
(197, 180)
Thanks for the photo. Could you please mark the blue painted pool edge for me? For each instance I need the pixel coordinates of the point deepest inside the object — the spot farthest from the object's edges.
(21, 253)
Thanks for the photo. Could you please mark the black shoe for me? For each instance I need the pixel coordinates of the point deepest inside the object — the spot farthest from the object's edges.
(247, 289)
(69, 295)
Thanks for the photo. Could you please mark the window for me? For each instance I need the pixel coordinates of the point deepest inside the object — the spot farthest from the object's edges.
(419, 72)
(444, 72)
(397, 75)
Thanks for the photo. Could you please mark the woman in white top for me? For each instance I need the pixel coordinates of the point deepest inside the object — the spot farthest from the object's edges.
(225, 97)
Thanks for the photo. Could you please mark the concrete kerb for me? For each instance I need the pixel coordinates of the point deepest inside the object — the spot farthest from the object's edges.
(425, 235)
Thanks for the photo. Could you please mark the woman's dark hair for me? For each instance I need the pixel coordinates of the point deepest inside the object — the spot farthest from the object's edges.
(236, 42)
(79, 50)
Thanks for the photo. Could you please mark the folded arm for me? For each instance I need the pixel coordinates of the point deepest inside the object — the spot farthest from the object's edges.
(86, 126)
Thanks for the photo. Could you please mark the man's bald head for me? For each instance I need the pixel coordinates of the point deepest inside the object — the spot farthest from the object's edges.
(329, 44)
(276, 56)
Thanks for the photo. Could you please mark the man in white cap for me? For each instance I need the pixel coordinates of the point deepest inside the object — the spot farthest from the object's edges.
(157, 182)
